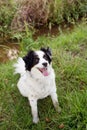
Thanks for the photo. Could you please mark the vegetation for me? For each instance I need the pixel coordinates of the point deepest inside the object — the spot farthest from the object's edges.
(70, 64)
(7, 10)
(15, 15)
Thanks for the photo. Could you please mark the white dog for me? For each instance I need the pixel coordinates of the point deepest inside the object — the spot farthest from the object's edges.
(37, 79)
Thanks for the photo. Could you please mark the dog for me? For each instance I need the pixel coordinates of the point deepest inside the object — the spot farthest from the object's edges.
(37, 78)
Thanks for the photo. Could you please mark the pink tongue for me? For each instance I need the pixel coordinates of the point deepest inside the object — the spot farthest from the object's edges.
(44, 72)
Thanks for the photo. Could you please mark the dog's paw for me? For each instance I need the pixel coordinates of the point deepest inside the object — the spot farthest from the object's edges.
(35, 120)
(59, 109)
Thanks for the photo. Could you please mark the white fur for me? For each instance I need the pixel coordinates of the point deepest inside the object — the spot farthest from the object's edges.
(20, 66)
(34, 85)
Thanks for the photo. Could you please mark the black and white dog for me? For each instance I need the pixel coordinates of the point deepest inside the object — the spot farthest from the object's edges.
(37, 78)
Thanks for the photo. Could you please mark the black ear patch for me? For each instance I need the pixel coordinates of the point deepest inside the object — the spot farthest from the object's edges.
(48, 53)
(30, 60)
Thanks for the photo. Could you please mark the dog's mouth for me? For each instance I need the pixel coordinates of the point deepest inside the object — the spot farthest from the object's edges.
(44, 71)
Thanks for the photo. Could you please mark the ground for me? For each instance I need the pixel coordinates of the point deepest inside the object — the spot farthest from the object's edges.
(70, 64)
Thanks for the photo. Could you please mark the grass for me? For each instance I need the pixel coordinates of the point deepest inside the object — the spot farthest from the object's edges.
(70, 64)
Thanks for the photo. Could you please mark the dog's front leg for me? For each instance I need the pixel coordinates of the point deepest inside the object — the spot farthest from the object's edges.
(55, 101)
(33, 104)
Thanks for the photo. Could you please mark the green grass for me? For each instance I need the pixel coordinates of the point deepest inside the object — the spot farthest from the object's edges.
(70, 64)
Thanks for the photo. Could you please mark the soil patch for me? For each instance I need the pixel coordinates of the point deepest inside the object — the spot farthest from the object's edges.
(53, 31)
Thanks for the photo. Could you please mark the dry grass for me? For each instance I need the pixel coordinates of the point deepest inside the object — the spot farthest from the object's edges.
(34, 13)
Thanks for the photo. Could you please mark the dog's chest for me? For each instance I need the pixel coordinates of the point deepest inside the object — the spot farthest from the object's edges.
(41, 88)
(36, 88)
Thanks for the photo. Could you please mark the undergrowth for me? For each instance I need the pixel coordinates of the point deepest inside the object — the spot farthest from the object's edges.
(14, 18)
(7, 11)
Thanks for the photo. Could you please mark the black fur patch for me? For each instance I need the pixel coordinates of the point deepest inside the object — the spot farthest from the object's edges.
(30, 59)
(48, 54)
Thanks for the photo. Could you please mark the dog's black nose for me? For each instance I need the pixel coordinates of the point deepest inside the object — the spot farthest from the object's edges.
(44, 64)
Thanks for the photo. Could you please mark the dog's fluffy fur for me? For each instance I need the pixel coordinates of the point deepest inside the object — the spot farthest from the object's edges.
(37, 78)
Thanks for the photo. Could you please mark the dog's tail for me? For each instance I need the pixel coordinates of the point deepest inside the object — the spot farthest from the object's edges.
(20, 66)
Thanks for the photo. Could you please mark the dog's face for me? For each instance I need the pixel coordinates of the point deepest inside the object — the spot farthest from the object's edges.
(38, 61)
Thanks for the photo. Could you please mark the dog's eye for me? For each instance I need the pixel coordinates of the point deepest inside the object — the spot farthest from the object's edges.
(37, 60)
(45, 57)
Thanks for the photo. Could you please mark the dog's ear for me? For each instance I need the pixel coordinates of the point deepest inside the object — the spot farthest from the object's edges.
(47, 51)
(28, 59)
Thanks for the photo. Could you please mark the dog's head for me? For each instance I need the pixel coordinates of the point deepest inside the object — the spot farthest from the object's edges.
(40, 61)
